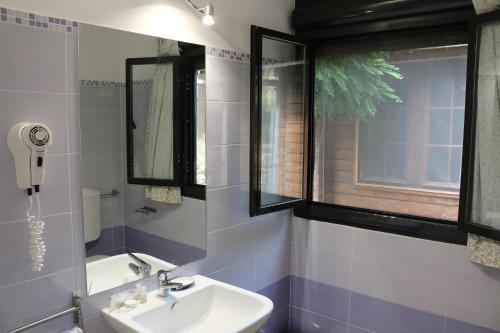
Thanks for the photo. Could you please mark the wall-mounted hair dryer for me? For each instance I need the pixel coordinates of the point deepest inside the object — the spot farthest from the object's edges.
(28, 143)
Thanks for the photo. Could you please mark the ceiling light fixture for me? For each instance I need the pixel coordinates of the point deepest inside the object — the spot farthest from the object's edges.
(207, 12)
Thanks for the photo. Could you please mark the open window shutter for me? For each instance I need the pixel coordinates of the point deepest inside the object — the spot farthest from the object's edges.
(278, 131)
(480, 189)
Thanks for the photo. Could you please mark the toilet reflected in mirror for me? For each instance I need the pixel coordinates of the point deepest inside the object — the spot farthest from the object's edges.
(133, 226)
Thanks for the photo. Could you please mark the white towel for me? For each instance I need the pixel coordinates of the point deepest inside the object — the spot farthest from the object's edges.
(75, 329)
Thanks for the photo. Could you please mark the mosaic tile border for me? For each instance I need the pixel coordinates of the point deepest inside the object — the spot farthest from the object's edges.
(96, 83)
(37, 21)
(235, 56)
(227, 54)
(114, 84)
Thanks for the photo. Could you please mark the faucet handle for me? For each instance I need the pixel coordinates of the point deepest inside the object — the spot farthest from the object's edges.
(163, 273)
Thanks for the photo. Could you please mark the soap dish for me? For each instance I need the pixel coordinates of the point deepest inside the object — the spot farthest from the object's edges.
(185, 281)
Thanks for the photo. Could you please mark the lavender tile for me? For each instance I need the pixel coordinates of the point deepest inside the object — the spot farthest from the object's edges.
(279, 293)
(102, 245)
(457, 326)
(330, 301)
(382, 316)
(168, 250)
(98, 325)
(137, 240)
(354, 329)
(309, 322)
(277, 323)
(118, 237)
(197, 253)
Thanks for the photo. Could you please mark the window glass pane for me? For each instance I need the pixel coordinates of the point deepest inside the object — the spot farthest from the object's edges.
(389, 129)
(456, 165)
(439, 126)
(282, 121)
(458, 127)
(437, 164)
(200, 106)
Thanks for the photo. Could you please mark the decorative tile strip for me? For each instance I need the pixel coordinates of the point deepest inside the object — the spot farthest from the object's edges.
(226, 54)
(37, 21)
(95, 83)
(142, 82)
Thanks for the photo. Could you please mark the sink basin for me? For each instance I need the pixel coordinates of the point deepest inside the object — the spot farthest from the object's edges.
(110, 272)
(209, 306)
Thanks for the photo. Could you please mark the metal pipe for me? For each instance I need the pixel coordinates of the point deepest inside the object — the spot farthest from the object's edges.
(75, 309)
(44, 320)
(114, 193)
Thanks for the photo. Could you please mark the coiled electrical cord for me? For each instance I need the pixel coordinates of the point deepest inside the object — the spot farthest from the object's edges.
(35, 224)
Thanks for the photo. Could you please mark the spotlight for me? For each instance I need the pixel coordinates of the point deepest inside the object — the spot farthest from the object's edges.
(207, 12)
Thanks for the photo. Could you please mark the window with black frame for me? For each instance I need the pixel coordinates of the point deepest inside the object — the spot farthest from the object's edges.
(383, 141)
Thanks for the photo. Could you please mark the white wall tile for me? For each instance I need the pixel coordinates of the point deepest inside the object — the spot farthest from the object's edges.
(227, 81)
(474, 303)
(272, 266)
(227, 165)
(17, 266)
(400, 250)
(32, 61)
(227, 123)
(36, 295)
(74, 123)
(72, 63)
(409, 287)
(227, 207)
(54, 195)
(50, 109)
(229, 246)
(461, 267)
(323, 236)
(323, 266)
(272, 231)
(241, 275)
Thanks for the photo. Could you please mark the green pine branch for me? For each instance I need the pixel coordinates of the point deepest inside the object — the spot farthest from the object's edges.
(354, 84)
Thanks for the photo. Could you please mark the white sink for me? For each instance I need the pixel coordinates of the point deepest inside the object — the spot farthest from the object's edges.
(209, 306)
(110, 272)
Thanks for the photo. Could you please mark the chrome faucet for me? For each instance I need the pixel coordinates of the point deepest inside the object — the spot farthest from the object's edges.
(165, 284)
(142, 267)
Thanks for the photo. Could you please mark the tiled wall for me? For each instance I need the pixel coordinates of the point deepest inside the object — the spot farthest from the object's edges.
(102, 115)
(38, 83)
(353, 280)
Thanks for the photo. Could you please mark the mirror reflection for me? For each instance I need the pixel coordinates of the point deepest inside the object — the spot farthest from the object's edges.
(142, 116)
